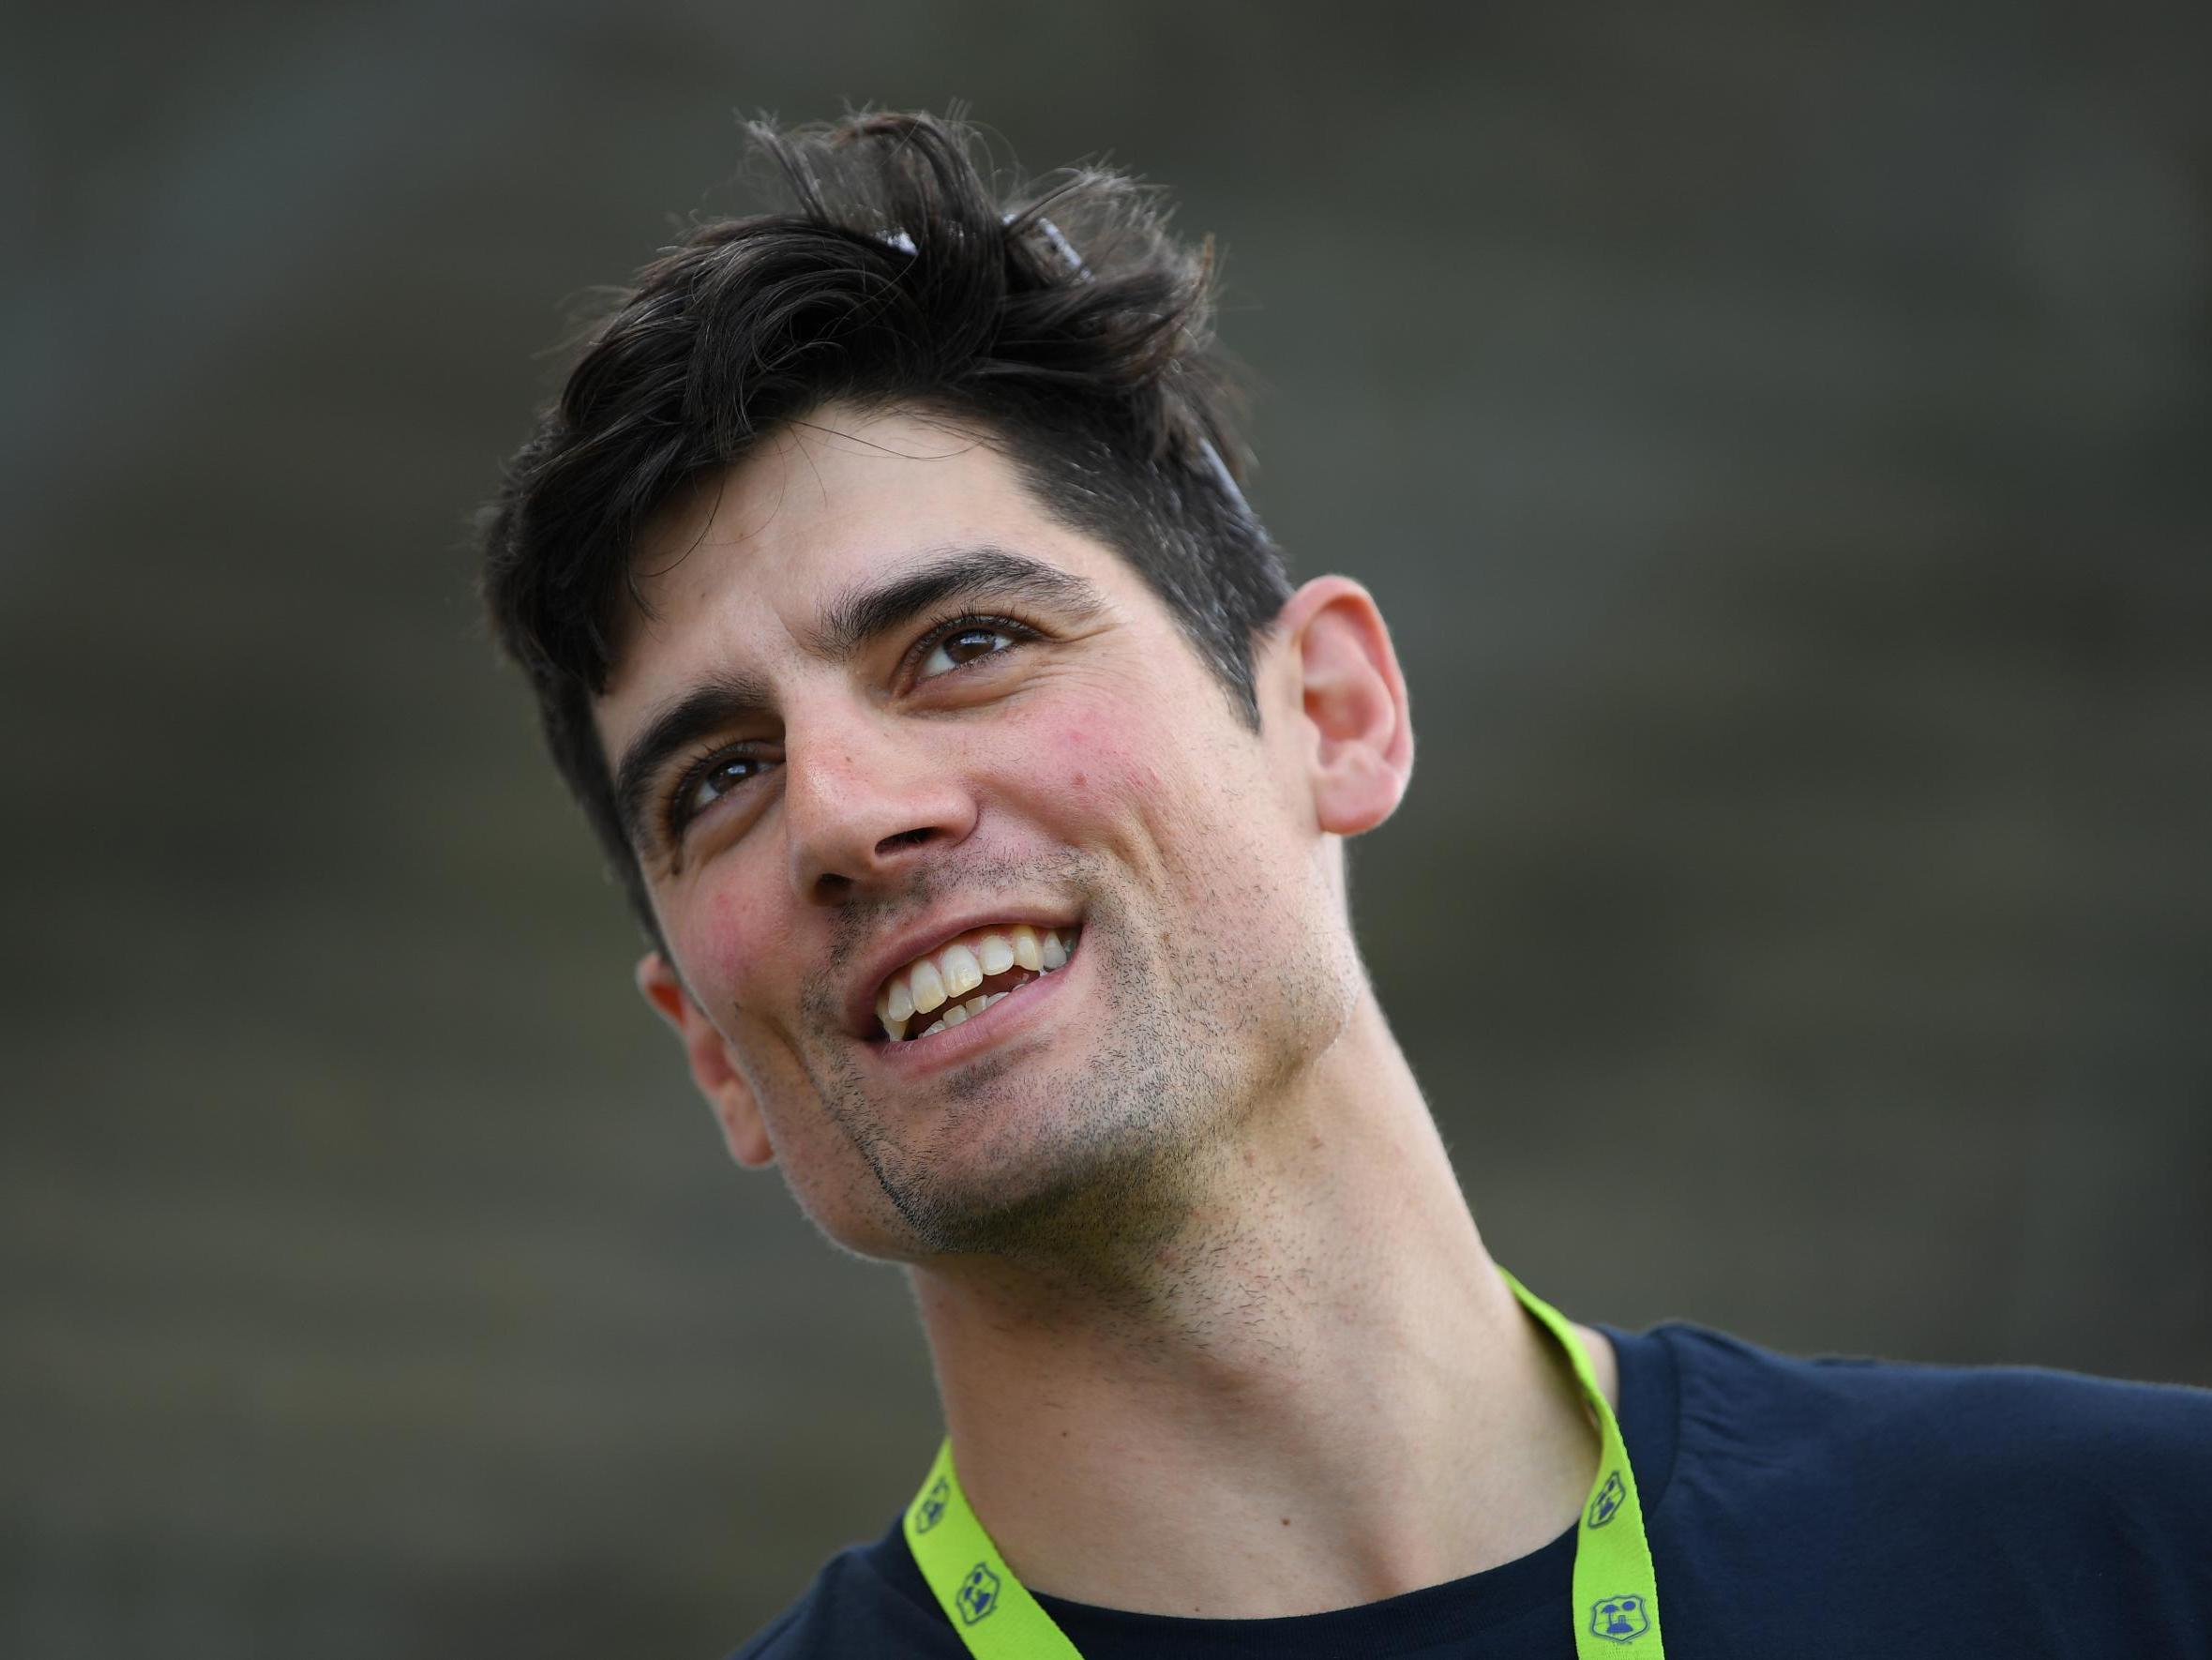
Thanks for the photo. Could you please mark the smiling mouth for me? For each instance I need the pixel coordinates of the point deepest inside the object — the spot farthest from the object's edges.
(966, 975)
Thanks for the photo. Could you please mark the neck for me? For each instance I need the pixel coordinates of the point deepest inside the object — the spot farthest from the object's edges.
(1317, 1393)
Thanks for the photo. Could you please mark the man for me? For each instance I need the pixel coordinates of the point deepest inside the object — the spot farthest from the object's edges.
(982, 784)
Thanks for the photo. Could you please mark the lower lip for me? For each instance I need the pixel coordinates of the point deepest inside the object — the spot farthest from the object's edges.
(1003, 1019)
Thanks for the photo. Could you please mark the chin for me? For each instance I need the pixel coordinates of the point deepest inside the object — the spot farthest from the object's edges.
(1081, 1172)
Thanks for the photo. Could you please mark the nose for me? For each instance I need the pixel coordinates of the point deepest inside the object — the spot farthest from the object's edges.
(864, 803)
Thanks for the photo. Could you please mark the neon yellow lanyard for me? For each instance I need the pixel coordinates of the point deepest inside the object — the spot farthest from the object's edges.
(1616, 1592)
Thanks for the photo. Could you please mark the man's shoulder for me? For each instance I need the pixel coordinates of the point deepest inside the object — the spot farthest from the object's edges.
(1982, 1429)
(860, 1603)
(1919, 1504)
(2004, 1397)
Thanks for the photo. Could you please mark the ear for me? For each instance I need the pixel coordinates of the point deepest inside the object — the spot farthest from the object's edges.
(1359, 725)
(712, 1069)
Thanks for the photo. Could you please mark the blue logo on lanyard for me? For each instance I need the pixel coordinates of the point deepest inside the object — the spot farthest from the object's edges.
(1611, 1497)
(931, 1510)
(978, 1594)
(1620, 1618)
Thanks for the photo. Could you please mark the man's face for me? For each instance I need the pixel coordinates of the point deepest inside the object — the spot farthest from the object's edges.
(885, 724)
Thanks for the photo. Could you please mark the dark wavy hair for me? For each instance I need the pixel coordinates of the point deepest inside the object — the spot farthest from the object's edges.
(1059, 322)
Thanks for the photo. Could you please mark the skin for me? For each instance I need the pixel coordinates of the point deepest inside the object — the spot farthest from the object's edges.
(1213, 1328)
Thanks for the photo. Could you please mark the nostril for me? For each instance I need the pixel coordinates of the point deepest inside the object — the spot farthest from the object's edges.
(905, 838)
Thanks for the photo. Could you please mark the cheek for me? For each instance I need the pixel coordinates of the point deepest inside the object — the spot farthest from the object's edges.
(719, 939)
(1088, 757)
(1097, 779)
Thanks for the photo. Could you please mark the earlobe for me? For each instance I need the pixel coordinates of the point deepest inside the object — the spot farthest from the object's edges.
(712, 1067)
(1353, 698)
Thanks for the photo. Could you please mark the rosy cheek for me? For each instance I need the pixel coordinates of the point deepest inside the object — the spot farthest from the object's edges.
(720, 939)
(1091, 762)
(1082, 776)
(1085, 757)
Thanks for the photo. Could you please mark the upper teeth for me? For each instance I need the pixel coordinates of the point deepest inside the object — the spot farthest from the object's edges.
(949, 974)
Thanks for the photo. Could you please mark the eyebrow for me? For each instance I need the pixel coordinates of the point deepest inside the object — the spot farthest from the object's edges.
(865, 613)
(849, 624)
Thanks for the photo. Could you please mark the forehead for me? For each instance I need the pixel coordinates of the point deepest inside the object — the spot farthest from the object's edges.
(741, 569)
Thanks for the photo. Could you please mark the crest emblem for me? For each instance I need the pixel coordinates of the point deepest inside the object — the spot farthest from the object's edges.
(978, 1594)
(1620, 1618)
(931, 1510)
(1611, 1497)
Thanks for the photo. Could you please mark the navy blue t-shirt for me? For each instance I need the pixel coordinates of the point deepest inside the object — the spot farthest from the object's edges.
(1810, 1508)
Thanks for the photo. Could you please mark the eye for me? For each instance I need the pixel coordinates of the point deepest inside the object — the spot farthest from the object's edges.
(714, 779)
(963, 643)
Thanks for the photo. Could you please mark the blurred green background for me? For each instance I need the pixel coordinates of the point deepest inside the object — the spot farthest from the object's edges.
(1780, 438)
